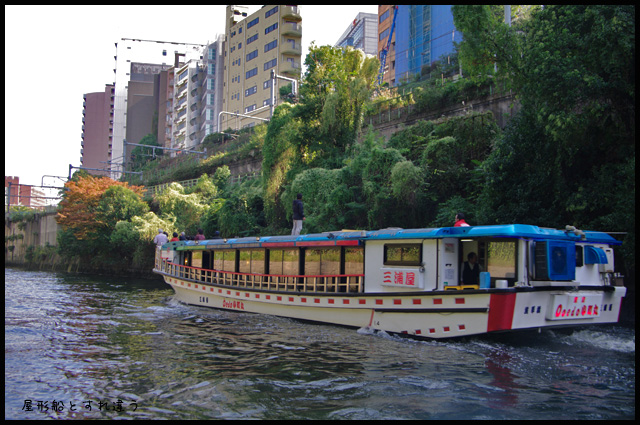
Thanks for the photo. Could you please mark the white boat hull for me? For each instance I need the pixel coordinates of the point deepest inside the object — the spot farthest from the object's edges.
(438, 314)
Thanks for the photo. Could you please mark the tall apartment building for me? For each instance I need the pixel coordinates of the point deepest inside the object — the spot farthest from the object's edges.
(423, 34)
(97, 131)
(267, 40)
(129, 51)
(192, 98)
(361, 34)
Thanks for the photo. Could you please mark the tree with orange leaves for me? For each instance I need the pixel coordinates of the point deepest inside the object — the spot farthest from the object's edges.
(92, 206)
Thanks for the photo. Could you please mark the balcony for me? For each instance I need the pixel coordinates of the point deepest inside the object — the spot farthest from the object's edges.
(290, 69)
(288, 49)
(291, 30)
(291, 12)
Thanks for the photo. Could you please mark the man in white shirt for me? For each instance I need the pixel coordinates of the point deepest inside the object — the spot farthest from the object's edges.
(160, 238)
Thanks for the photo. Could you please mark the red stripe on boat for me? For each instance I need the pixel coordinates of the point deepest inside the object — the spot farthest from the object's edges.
(501, 307)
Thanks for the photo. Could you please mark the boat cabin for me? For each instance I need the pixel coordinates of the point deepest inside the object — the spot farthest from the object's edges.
(398, 260)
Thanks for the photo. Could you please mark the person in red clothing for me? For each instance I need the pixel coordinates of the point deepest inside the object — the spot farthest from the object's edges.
(199, 236)
(459, 221)
(175, 237)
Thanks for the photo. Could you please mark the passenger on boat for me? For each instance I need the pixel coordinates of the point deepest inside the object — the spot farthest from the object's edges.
(175, 237)
(298, 215)
(160, 238)
(182, 236)
(471, 270)
(459, 221)
(199, 236)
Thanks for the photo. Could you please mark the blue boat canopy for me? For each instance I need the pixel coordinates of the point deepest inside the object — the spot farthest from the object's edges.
(520, 231)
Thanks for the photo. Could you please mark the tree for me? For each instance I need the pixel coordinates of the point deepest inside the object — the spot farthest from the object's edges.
(85, 208)
(569, 157)
(184, 209)
(490, 46)
(90, 210)
(335, 87)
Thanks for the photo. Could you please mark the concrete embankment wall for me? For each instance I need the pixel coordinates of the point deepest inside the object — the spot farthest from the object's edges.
(39, 232)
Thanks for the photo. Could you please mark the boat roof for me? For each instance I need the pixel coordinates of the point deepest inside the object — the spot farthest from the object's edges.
(358, 237)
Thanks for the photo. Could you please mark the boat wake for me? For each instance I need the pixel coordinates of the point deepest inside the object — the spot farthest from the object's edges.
(623, 343)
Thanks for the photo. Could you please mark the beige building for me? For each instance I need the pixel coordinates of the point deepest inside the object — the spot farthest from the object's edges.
(255, 45)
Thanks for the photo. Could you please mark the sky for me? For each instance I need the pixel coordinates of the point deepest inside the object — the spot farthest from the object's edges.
(56, 54)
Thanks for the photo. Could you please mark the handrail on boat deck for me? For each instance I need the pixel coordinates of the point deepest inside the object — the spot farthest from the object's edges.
(343, 283)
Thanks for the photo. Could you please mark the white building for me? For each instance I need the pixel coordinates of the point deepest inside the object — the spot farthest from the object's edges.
(140, 51)
(362, 34)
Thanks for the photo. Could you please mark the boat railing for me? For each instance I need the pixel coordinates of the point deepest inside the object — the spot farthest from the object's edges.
(343, 283)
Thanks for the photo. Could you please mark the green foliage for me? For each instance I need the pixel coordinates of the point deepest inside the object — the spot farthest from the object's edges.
(119, 203)
(490, 46)
(235, 218)
(140, 156)
(280, 153)
(315, 185)
(186, 209)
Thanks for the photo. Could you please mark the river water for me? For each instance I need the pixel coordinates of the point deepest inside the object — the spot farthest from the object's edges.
(99, 347)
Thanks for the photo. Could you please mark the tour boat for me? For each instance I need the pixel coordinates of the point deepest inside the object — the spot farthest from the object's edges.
(407, 281)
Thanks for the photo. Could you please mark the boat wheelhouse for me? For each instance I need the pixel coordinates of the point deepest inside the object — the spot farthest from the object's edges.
(407, 281)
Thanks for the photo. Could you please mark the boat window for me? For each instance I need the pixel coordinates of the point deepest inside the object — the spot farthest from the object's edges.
(403, 255)
(354, 261)
(283, 262)
(252, 261)
(579, 256)
(501, 259)
(228, 260)
(322, 262)
(218, 257)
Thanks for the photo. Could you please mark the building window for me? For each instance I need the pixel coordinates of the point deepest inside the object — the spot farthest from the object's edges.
(384, 34)
(251, 73)
(249, 108)
(270, 64)
(271, 28)
(271, 12)
(252, 23)
(250, 91)
(252, 39)
(270, 46)
(252, 55)
(384, 16)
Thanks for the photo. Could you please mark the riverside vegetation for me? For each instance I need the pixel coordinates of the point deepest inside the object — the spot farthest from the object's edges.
(567, 157)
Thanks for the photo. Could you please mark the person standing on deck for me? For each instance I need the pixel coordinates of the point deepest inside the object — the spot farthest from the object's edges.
(160, 238)
(459, 221)
(298, 215)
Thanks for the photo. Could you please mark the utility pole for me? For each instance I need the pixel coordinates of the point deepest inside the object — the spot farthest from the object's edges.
(273, 88)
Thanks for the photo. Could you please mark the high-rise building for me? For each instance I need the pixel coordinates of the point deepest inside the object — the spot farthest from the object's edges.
(361, 34)
(143, 101)
(423, 35)
(255, 45)
(195, 98)
(128, 52)
(385, 20)
(97, 131)
(210, 83)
